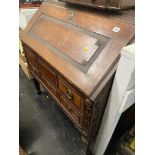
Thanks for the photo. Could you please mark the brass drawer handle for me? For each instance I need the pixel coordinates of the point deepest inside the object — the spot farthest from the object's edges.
(69, 94)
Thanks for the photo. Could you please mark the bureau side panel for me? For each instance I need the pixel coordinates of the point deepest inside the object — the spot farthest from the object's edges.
(99, 107)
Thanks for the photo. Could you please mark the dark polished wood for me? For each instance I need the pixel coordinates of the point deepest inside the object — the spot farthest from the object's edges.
(74, 55)
(104, 4)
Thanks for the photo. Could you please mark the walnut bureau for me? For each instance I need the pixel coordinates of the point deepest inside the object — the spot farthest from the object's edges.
(74, 55)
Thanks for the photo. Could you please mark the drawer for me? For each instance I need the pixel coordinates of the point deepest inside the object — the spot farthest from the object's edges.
(48, 72)
(31, 57)
(69, 109)
(71, 95)
(33, 70)
(48, 85)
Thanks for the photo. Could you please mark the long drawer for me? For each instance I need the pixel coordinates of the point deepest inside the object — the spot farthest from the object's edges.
(32, 61)
(48, 85)
(31, 56)
(46, 69)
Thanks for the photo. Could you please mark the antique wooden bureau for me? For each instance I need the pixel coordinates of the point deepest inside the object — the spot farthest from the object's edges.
(74, 56)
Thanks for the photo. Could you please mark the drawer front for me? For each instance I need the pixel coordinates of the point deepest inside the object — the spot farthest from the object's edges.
(48, 85)
(71, 95)
(48, 72)
(64, 103)
(69, 109)
(31, 57)
(33, 70)
(32, 61)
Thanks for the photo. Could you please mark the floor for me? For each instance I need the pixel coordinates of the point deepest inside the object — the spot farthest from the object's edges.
(44, 128)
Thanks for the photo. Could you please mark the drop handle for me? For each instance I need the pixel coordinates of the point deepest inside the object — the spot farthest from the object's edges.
(69, 94)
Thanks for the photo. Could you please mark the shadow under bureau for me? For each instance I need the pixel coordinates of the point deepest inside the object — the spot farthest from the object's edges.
(74, 56)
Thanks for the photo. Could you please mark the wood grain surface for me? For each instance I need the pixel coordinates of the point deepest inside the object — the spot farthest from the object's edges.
(88, 81)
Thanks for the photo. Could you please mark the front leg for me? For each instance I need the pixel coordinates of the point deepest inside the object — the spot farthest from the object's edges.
(37, 86)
